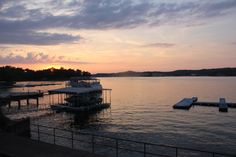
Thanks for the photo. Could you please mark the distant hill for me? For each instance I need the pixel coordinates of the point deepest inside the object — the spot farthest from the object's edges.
(202, 72)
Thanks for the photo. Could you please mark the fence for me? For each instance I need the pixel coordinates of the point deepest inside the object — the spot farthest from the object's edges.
(111, 146)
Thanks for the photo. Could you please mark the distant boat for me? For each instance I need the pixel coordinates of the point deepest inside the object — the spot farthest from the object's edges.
(84, 94)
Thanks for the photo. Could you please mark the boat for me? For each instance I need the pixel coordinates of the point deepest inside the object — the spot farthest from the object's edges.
(82, 94)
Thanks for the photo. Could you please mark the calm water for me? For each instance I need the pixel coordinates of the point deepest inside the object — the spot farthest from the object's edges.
(142, 110)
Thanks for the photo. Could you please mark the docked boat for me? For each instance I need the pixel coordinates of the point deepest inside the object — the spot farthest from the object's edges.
(82, 94)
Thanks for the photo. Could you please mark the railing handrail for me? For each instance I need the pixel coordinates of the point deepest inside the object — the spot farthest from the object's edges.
(127, 140)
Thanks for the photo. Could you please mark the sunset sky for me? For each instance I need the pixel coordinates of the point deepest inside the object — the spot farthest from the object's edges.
(118, 35)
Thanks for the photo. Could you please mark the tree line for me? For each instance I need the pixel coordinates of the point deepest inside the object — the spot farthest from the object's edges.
(10, 73)
(201, 72)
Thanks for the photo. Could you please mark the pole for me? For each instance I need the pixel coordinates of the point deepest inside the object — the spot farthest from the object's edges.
(117, 147)
(54, 135)
(72, 139)
(38, 133)
(144, 150)
(93, 143)
(176, 151)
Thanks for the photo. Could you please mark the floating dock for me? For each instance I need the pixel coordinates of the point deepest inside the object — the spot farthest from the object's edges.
(187, 103)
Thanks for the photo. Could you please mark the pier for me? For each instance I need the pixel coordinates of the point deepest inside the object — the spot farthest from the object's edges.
(19, 102)
(187, 103)
(19, 96)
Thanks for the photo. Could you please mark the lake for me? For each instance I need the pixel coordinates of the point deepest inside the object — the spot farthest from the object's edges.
(142, 110)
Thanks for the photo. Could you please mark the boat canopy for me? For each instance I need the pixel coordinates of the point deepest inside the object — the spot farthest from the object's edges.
(73, 90)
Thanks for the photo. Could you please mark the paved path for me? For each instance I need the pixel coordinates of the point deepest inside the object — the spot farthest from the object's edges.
(14, 146)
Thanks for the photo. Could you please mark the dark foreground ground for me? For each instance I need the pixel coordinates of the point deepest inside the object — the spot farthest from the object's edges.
(15, 146)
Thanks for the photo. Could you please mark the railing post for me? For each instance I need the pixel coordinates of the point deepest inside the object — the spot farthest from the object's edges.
(72, 139)
(38, 133)
(176, 151)
(117, 147)
(93, 143)
(213, 154)
(54, 135)
(144, 149)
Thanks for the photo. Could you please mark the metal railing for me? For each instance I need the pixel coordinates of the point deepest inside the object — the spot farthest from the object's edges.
(113, 146)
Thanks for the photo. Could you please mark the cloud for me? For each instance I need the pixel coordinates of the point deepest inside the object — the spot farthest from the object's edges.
(35, 38)
(72, 62)
(34, 58)
(30, 58)
(28, 18)
(161, 45)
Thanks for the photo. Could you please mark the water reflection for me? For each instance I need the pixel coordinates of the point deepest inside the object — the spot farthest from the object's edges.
(142, 110)
(89, 120)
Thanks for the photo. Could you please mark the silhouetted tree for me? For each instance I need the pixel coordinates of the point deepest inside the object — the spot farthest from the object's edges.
(9, 73)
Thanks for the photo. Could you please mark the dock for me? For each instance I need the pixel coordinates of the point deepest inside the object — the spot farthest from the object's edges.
(187, 103)
(19, 96)
(213, 104)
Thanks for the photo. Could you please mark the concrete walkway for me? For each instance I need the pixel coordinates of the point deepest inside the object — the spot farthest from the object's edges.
(14, 146)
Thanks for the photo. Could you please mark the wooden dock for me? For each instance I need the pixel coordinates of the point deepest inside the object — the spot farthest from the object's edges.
(6, 99)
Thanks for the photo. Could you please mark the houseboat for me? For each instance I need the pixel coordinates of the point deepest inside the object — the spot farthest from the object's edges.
(81, 94)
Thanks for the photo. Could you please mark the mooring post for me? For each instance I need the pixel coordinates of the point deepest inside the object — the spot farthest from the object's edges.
(54, 135)
(117, 148)
(9, 104)
(92, 143)
(72, 139)
(37, 102)
(144, 149)
(19, 104)
(27, 101)
(110, 96)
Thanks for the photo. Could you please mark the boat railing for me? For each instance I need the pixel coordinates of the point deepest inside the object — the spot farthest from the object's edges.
(112, 146)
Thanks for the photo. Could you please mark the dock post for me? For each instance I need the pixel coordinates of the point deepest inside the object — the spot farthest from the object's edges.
(117, 147)
(37, 102)
(9, 104)
(105, 96)
(110, 96)
(27, 101)
(19, 104)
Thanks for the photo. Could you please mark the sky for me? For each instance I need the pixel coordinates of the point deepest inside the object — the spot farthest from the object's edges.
(118, 35)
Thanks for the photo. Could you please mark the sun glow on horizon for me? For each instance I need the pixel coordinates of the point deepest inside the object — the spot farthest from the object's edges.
(79, 38)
